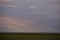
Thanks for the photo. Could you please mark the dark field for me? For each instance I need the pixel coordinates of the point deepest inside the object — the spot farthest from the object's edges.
(29, 36)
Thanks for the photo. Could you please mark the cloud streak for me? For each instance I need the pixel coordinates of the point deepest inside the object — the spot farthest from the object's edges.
(12, 6)
(8, 0)
(12, 25)
(52, 0)
(33, 7)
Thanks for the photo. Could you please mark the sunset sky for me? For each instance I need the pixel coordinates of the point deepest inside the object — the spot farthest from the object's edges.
(30, 16)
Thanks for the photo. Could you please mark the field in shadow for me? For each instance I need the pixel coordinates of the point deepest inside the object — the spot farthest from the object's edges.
(30, 36)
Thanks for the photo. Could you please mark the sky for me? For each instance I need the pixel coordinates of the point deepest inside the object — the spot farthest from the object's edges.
(30, 16)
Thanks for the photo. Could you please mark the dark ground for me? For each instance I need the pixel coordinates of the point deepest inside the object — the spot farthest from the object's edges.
(29, 36)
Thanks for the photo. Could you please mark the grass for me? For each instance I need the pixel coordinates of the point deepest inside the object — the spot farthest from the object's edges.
(29, 36)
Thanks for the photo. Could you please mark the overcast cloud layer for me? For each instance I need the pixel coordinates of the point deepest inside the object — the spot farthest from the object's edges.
(30, 16)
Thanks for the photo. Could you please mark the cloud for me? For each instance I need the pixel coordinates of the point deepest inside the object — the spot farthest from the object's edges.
(9, 24)
(8, 0)
(32, 6)
(12, 21)
(5, 0)
(52, 0)
(13, 25)
(12, 6)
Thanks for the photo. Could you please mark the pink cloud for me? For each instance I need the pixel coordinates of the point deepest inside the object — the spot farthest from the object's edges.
(12, 6)
(14, 25)
(8, 0)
